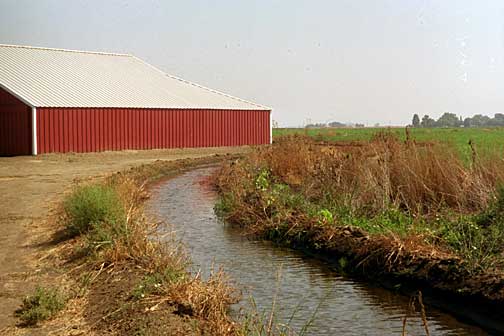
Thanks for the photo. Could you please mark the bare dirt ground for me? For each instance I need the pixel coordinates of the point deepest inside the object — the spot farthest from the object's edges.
(29, 188)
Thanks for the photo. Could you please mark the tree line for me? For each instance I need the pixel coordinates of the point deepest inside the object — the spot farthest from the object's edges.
(334, 124)
(452, 120)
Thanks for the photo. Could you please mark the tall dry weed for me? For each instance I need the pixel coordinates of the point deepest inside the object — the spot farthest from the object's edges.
(418, 178)
(137, 246)
(381, 204)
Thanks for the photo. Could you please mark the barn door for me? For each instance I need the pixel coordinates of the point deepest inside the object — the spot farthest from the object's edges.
(15, 129)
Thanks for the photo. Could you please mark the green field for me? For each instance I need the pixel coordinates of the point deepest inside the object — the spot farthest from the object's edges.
(485, 139)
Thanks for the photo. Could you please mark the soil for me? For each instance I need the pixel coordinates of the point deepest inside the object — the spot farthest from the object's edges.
(30, 189)
(111, 310)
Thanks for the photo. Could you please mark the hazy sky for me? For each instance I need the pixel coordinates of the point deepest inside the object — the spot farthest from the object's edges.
(360, 61)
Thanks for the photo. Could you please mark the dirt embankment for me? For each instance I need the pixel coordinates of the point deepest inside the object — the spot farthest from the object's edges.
(29, 189)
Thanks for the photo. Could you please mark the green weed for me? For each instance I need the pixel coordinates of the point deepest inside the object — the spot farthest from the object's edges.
(478, 238)
(91, 205)
(105, 234)
(41, 305)
(155, 283)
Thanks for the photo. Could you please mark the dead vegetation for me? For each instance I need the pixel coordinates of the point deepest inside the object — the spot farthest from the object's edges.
(387, 207)
(386, 172)
(118, 275)
(159, 263)
(128, 243)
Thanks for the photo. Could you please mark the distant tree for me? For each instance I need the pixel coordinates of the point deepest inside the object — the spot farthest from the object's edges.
(416, 121)
(498, 119)
(467, 122)
(448, 120)
(452, 120)
(480, 120)
(317, 125)
(336, 124)
(427, 121)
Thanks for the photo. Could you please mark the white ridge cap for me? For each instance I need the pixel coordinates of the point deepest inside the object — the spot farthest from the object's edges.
(64, 50)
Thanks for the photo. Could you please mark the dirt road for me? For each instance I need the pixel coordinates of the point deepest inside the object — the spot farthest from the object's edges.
(29, 187)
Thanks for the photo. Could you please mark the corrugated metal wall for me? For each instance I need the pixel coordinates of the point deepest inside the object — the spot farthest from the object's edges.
(15, 126)
(98, 129)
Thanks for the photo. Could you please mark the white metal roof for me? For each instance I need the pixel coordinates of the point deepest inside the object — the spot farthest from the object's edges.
(44, 77)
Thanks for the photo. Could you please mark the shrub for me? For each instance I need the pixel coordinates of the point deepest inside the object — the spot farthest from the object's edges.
(91, 205)
(42, 305)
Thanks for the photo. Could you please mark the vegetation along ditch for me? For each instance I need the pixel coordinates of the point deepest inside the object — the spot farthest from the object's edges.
(406, 214)
(117, 277)
(306, 295)
(402, 213)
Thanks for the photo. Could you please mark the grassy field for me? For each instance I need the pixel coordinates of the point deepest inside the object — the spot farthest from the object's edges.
(485, 139)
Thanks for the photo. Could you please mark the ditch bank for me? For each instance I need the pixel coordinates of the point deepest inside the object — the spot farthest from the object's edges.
(308, 295)
(142, 284)
(394, 265)
(442, 280)
(344, 207)
(109, 274)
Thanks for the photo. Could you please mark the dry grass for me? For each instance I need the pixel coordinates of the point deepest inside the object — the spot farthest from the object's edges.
(388, 206)
(161, 259)
(124, 277)
(135, 282)
(419, 178)
(164, 260)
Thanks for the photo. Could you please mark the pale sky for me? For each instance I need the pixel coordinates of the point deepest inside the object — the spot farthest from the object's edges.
(350, 61)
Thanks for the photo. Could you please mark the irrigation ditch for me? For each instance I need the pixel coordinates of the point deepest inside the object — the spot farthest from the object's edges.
(301, 282)
(131, 275)
(405, 215)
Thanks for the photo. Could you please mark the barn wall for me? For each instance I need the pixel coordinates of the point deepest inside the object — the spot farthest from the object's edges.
(98, 129)
(15, 126)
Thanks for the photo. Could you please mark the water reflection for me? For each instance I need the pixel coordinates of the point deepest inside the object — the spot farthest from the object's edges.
(344, 306)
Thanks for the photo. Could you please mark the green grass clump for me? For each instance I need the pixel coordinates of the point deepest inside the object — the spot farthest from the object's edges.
(478, 238)
(91, 205)
(155, 282)
(41, 305)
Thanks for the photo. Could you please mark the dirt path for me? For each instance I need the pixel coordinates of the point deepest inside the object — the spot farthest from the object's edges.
(29, 186)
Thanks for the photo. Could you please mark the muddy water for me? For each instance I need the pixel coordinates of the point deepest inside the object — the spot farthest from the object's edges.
(299, 285)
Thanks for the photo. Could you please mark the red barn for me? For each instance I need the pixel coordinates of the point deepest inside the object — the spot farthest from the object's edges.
(54, 100)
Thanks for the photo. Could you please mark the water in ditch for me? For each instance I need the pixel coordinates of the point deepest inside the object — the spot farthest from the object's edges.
(296, 283)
